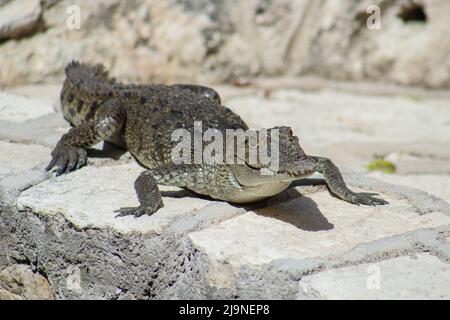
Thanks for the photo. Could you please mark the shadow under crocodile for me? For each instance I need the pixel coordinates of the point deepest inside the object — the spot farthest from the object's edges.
(289, 206)
(109, 151)
(292, 207)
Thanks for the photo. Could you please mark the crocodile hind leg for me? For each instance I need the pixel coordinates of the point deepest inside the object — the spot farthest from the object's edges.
(146, 186)
(148, 195)
(70, 152)
(337, 186)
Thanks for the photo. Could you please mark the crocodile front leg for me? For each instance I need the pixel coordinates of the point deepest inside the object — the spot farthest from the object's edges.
(146, 186)
(70, 152)
(338, 187)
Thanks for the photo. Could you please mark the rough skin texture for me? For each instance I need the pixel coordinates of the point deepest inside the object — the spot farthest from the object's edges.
(142, 118)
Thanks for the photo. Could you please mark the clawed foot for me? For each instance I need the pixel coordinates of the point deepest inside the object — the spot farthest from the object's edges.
(366, 199)
(67, 158)
(138, 211)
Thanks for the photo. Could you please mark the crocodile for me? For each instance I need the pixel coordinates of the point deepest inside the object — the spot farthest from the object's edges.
(142, 118)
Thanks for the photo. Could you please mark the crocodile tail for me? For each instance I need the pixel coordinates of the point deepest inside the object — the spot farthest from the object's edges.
(88, 80)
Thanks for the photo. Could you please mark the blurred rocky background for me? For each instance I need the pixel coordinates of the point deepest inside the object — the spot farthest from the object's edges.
(217, 41)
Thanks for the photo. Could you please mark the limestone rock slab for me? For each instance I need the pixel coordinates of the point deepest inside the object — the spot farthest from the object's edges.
(28, 116)
(420, 277)
(316, 225)
(339, 117)
(435, 184)
(88, 197)
(19, 109)
(17, 158)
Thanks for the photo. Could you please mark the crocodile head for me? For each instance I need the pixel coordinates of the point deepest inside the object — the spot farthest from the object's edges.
(282, 158)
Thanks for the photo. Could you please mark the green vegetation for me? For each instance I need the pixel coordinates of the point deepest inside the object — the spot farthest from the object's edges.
(415, 98)
(382, 165)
